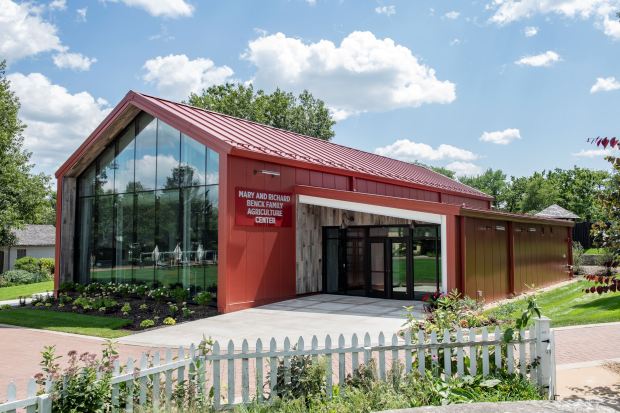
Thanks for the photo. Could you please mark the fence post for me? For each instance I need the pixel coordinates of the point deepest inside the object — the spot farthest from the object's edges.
(543, 334)
(45, 403)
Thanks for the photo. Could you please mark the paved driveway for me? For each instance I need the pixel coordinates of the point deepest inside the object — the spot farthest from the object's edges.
(318, 315)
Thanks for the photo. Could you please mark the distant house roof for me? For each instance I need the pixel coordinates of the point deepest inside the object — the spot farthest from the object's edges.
(557, 212)
(36, 235)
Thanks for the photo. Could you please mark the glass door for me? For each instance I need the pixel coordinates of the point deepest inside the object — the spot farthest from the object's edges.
(426, 257)
(377, 268)
(400, 282)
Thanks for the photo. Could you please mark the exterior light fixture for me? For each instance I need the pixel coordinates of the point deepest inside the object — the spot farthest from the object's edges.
(266, 172)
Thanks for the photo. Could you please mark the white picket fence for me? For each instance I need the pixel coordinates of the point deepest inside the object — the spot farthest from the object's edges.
(152, 380)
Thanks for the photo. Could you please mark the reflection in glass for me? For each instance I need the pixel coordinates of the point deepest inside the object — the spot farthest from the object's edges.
(105, 177)
(146, 152)
(194, 238)
(211, 243)
(213, 162)
(168, 240)
(144, 235)
(87, 181)
(123, 230)
(426, 267)
(377, 266)
(193, 162)
(124, 162)
(142, 252)
(86, 222)
(399, 267)
(168, 156)
(104, 243)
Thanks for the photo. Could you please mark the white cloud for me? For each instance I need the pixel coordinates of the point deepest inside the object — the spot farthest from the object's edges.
(24, 33)
(361, 74)
(605, 84)
(387, 10)
(611, 27)
(594, 153)
(464, 168)
(410, 151)
(81, 14)
(74, 61)
(54, 130)
(311, 2)
(161, 8)
(503, 137)
(530, 31)
(508, 11)
(455, 42)
(176, 76)
(452, 15)
(540, 60)
(58, 4)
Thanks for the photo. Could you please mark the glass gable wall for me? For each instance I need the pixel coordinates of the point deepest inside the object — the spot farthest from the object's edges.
(148, 210)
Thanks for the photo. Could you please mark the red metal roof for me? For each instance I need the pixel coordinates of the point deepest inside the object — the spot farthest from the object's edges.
(251, 138)
(254, 137)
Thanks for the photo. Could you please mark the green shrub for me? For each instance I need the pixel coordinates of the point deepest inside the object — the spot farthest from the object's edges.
(29, 264)
(302, 379)
(147, 323)
(47, 265)
(126, 309)
(18, 277)
(169, 321)
(578, 252)
(203, 298)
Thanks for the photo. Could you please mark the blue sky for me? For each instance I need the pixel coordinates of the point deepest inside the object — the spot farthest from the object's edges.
(516, 85)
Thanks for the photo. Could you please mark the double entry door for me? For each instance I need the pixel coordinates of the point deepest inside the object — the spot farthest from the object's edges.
(357, 262)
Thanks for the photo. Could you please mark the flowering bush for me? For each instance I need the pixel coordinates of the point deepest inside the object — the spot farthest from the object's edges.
(447, 311)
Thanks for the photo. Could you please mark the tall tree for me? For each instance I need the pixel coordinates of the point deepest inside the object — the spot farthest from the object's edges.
(491, 182)
(24, 197)
(303, 114)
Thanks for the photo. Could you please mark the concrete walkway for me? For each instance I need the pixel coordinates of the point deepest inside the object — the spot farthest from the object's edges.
(584, 356)
(318, 315)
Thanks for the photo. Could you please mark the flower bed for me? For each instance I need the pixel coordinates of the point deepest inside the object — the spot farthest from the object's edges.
(146, 307)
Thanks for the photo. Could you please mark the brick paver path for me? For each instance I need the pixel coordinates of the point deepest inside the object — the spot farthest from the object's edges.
(20, 352)
(587, 343)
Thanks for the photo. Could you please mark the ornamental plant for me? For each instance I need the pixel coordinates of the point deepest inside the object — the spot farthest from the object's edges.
(606, 232)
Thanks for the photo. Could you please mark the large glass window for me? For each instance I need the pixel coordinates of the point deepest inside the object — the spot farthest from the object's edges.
(148, 210)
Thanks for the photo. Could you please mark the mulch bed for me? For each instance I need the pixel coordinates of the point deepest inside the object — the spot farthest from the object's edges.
(136, 315)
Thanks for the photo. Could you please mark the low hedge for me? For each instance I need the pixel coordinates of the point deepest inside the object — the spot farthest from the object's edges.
(19, 277)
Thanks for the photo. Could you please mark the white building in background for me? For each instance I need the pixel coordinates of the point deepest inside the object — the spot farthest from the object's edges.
(33, 241)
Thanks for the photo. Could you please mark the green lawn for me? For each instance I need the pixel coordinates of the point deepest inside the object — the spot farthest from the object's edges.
(26, 290)
(89, 325)
(568, 305)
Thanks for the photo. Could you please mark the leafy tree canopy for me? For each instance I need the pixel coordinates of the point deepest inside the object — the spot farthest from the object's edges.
(575, 189)
(490, 182)
(302, 114)
(25, 198)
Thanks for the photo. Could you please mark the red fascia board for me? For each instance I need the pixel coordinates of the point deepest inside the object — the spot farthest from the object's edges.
(135, 99)
(506, 216)
(242, 153)
(379, 200)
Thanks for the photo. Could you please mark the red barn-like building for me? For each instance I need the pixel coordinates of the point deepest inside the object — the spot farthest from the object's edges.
(168, 194)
